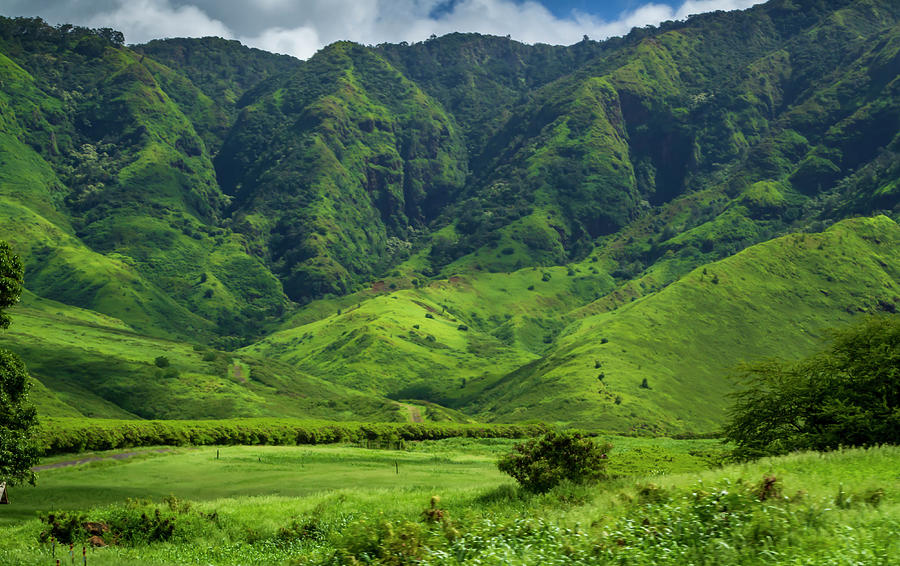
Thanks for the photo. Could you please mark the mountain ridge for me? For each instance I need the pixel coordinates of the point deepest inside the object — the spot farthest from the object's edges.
(437, 221)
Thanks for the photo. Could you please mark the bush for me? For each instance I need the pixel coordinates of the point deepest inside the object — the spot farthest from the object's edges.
(848, 394)
(542, 463)
(64, 527)
(161, 362)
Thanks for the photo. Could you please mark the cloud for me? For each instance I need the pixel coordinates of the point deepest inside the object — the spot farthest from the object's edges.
(301, 27)
(143, 20)
(377, 21)
(301, 42)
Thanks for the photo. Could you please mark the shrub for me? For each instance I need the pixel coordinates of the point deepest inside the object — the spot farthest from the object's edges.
(161, 362)
(64, 526)
(847, 394)
(542, 463)
(429, 315)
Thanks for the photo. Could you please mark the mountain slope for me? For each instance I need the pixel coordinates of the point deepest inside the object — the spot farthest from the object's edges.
(121, 208)
(333, 172)
(460, 221)
(97, 366)
(586, 366)
(774, 299)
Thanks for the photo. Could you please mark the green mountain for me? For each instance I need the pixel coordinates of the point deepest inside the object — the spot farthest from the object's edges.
(592, 234)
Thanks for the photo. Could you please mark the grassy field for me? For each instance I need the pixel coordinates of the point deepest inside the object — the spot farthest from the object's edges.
(666, 503)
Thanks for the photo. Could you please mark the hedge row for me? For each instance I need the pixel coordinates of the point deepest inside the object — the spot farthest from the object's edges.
(59, 436)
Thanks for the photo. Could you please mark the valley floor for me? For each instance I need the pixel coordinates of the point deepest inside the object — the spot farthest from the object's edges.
(444, 502)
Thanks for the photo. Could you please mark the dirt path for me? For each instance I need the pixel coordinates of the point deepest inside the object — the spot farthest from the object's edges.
(79, 461)
(415, 415)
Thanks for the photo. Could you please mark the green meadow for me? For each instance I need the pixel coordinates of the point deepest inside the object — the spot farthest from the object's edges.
(665, 502)
(246, 275)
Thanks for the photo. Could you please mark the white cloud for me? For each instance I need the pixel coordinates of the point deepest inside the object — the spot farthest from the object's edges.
(301, 27)
(143, 20)
(701, 6)
(300, 42)
(377, 21)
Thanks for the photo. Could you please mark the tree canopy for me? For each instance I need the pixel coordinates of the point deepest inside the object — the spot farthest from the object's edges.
(17, 417)
(845, 395)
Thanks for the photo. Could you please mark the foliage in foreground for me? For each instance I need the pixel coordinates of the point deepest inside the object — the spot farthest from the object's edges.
(848, 394)
(17, 417)
(846, 513)
(542, 463)
(58, 436)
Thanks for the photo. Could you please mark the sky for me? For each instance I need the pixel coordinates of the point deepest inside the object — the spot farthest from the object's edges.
(301, 27)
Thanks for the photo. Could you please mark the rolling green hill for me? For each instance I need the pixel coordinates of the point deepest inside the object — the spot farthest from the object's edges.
(489, 229)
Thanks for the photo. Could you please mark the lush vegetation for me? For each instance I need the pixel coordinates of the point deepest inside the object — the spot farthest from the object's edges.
(57, 436)
(461, 228)
(846, 395)
(444, 502)
(17, 416)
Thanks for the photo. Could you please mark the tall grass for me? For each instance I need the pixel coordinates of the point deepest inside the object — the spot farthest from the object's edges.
(803, 509)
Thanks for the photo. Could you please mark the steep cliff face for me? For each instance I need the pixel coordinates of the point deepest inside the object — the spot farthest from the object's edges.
(334, 171)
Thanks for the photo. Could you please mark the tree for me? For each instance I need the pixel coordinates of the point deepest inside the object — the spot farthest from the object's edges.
(845, 395)
(18, 452)
(541, 463)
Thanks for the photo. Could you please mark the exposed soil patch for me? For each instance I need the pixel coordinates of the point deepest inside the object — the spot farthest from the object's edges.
(413, 412)
(429, 308)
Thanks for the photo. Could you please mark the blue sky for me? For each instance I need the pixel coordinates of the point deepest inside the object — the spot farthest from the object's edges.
(301, 27)
(605, 9)
(608, 9)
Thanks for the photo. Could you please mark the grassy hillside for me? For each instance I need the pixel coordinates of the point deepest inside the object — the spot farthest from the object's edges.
(445, 341)
(98, 366)
(586, 366)
(775, 299)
